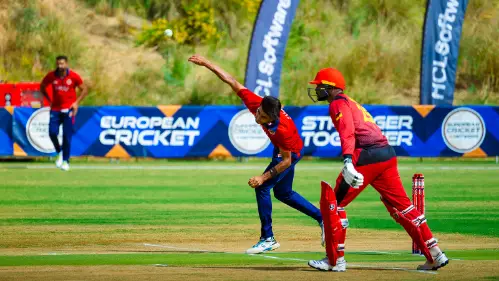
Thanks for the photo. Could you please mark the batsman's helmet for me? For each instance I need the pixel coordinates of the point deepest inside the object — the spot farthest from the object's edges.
(326, 78)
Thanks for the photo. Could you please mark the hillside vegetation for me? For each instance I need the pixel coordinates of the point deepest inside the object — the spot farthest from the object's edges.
(120, 50)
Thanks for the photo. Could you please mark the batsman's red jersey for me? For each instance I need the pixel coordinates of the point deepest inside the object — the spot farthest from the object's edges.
(63, 88)
(355, 125)
(284, 133)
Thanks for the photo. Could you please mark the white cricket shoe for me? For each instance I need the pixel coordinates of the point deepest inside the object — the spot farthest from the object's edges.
(439, 261)
(341, 265)
(264, 245)
(58, 162)
(323, 235)
(65, 166)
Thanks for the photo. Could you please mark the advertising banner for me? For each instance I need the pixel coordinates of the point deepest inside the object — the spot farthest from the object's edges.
(268, 44)
(441, 33)
(203, 131)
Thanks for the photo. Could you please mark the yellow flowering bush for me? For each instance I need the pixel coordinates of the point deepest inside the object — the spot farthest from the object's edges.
(251, 6)
(154, 34)
(198, 26)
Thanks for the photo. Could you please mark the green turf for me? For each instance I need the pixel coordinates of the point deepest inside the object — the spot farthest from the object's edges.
(223, 259)
(457, 201)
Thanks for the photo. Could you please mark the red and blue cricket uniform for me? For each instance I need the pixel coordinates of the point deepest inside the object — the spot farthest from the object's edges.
(374, 158)
(63, 96)
(284, 135)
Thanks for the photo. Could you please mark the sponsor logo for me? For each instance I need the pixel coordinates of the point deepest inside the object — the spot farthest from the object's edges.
(396, 128)
(37, 131)
(463, 130)
(149, 131)
(69, 82)
(246, 135)
(62, 88)
(319, 131)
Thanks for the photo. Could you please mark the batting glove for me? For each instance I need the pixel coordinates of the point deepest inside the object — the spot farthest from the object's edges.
(351, 176)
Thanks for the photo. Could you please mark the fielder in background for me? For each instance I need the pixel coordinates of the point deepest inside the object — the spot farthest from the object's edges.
(368, 159)
(63, 106)
(279, 175)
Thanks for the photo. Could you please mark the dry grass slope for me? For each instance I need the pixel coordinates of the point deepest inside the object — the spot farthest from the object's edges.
(375, 44)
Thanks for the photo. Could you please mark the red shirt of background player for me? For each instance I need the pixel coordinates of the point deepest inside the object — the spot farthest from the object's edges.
(355, 125)
(63, 89)
(283, 134)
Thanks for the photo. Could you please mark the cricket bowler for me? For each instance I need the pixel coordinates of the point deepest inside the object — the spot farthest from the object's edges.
(63, 106)
(279, 174)
(368, 159)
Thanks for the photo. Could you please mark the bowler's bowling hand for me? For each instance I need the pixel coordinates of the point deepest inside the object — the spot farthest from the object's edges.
(255, 181)
(199, 60)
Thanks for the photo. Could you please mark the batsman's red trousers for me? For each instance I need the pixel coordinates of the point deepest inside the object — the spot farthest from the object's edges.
(379, 168)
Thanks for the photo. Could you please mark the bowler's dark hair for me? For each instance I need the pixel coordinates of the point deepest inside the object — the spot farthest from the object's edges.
(272, 107)
(61, 58)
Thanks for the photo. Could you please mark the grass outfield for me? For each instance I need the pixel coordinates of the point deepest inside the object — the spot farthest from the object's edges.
(205, 214)
(221, 259)
(457, 201)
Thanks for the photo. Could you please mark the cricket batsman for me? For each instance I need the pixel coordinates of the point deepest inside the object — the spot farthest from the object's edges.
(368, 159)
(63, 106)
(279, 175)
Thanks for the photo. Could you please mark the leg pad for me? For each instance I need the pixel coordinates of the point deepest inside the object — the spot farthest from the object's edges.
(332, 223)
